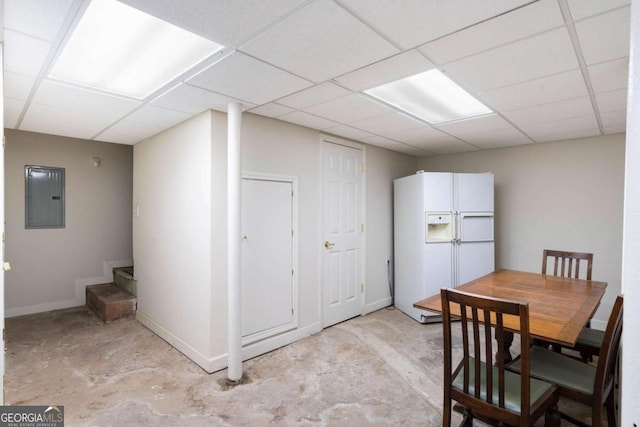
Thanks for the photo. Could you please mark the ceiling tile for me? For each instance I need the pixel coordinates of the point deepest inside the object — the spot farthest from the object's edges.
(321, 33)
(37, 18)
(12, 110)
(193, 100)
(87, 111)
(553, 111)
(605, 37)
(18, 86)
(348, 132)
(524, 22)
(535, 57)
(242, 77)
(395, 68)
(419, 135)
(582, 9)
(390, 144)
(24, 54)
(387, 124)
(271, 110)
(486, 132)
(465, 128)
(609, 75)
(226, 22)
(58, 121)
(499, 139)
(577, 127)
(614, 121)
(143, 123)
(536, 92)
(102, 107)
(349, 109)
(616, 100)
(313, 95)
(307, 120)
(450, 146)
(407, 25)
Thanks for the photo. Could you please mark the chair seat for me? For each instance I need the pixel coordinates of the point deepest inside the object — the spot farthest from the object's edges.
(590, 337)
(511, 384)
(559, 369)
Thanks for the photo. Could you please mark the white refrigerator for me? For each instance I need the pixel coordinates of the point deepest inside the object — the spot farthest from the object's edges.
(443, 235)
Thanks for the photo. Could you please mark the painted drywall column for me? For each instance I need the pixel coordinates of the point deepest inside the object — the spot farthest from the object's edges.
(234, 125)
(630, 388)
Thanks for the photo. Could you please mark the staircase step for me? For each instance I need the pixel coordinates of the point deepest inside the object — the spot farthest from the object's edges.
(110, 302)
(124, 278)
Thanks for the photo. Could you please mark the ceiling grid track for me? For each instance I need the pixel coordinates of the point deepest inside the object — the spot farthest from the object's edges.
(573, 35)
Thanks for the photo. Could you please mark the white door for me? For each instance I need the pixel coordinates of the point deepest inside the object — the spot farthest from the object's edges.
(342, 233)
(2, 229)
(268, 289)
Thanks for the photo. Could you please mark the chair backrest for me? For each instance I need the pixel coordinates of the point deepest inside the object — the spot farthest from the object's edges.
(480, 384)
(568, 262)
(608, 357)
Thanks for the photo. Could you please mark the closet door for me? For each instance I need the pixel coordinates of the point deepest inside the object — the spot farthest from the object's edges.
(268, 288)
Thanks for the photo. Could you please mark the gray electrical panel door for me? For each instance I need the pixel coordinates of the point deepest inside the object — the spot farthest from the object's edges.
(44, 197)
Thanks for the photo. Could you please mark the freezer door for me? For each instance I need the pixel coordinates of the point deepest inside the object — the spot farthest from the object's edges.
(475, 227)
(473, 192)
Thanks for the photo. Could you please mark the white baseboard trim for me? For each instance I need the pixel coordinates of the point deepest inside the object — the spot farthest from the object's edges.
(261, 347)
(41, 308)
(79, 294)
(377, 305)
(197, 357)
(600, 325)
(219, 362)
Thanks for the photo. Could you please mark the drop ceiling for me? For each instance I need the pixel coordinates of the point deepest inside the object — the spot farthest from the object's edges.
(550, 69)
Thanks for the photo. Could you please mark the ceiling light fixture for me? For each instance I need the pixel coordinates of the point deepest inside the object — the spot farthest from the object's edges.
(430, 96)
(119, 49)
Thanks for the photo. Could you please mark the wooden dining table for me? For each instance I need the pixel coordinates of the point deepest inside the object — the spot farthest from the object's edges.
(559, 307)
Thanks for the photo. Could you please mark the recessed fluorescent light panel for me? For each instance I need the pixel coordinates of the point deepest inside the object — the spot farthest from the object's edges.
(119, 49)
(430, 96)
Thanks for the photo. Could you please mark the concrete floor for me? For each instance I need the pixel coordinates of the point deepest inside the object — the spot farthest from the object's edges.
(382, 369)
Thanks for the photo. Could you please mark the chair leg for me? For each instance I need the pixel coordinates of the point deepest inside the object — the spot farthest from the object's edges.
(586, 357)
(446, 413)
(468, 419)
(552, 417)
(611, 410)
(596, 415)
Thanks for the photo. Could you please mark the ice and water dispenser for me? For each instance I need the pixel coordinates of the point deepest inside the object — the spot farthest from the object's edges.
(440, 226)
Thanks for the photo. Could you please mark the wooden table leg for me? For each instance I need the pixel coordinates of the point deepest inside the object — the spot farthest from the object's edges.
(504, 353)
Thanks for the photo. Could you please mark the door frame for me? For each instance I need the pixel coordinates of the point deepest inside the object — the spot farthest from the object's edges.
(324, 139)
(294, 324)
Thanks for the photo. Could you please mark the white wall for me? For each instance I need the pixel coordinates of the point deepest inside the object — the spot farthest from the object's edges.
(180, 236)
(383, 166)
(172, 235)
(51, 266)
(560, 195)
(630, 387)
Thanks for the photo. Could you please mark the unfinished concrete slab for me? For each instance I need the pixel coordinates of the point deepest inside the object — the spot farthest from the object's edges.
(383, 369)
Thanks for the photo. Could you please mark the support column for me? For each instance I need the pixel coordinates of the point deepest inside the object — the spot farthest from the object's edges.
(234, 312)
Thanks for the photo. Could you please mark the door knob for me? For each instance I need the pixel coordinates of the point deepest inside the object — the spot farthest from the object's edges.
(328, 244)
(6, 266)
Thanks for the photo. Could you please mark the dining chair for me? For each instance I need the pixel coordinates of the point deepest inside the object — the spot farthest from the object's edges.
(479, 382)
(567, 264)
(581, 382)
